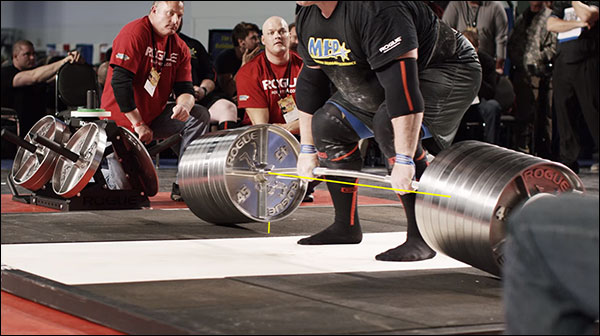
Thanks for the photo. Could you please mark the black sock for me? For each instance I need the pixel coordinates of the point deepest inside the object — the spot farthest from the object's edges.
(415, 248)
(227, 125)
(346, 227)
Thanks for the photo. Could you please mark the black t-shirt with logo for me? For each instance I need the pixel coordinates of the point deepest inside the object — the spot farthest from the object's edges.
(361, 37)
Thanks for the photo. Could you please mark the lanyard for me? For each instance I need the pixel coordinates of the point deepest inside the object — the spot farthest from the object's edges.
(472, 23)
(155, 51)
(287, 74)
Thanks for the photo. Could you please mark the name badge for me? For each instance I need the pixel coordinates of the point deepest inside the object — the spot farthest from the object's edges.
(289, 109)
(152, 82)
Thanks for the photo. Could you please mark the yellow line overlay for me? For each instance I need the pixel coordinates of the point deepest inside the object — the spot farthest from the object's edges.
(269, 229)
(360, 185)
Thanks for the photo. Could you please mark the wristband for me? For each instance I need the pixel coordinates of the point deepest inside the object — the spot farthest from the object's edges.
(404, 160)
(139, 123)
(308, 149)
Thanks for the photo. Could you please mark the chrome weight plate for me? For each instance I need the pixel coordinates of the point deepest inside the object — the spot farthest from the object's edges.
(69, 177)
(486, 183)
(33, 170)
(223, 176)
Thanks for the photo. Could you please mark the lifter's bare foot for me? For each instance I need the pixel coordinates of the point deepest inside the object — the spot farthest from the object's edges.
(334, 234)
(412, 250)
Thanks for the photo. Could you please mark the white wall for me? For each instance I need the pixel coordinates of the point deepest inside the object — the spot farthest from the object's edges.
(96, 22)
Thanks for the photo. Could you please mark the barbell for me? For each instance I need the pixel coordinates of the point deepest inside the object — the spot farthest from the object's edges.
(225, 178)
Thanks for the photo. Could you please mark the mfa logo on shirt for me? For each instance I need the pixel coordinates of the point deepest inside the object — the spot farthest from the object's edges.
(327, 51)
(391, 45)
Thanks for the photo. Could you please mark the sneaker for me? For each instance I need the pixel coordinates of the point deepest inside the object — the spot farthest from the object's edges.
(176, 194)
(308, 198)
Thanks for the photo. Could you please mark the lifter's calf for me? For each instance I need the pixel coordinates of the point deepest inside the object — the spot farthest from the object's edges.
(346, 227)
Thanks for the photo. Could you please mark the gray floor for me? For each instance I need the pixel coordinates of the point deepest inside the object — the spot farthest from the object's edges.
(450, 301)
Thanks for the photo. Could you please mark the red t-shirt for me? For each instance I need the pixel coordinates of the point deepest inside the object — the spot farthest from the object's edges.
(257, 87)
(133, 50)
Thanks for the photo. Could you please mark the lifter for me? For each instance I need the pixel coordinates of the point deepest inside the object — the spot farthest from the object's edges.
(401, 75)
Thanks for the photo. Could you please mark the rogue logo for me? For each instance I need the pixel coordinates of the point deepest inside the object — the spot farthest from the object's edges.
(391, 45)
(160, 55)
(272, 84)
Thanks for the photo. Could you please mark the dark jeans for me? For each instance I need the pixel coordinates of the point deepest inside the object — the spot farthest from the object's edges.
(490, 111)
(197, 124)
(551, 269)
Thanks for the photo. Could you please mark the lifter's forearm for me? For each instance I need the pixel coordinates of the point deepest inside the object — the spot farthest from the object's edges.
(306, 137)
(406, 133)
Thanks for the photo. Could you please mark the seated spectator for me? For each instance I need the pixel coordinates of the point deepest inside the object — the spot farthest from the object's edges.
(206, 92)
(24, 85)
(531, 48)
(489, 108)
(246, 45)
(138, 84)
(266, 85)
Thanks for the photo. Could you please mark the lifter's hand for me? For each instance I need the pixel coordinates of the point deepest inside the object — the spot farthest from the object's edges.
(144, 133)
(306, 164)
(180, 112)
(402, 176)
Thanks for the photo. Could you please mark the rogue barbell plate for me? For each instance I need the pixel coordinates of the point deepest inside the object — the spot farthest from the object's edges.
(224, 175)
(33, 170)
(485, 183)
(69, 178)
